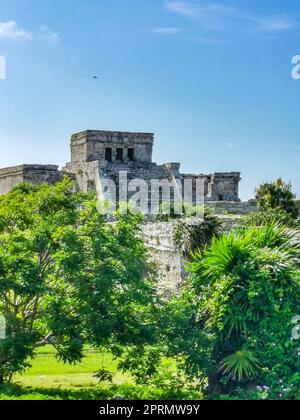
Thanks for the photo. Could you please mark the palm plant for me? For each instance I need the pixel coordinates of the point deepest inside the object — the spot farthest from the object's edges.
(247, 288)
(241, 365)
(277, 195)
(190, 237)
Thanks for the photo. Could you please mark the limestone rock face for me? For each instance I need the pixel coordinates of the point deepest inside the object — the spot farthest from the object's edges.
(167, 258)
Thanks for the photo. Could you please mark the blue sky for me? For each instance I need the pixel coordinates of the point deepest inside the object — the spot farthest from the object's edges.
(212, 79)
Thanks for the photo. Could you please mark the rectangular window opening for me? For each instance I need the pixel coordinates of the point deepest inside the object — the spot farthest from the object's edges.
(119, 154)
(131, 154)
(108, 154)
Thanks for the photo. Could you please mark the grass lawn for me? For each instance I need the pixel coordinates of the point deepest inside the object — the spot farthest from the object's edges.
(49, 379)
(47, 372)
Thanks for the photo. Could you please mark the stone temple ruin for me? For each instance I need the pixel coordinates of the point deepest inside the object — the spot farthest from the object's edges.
(97, 156)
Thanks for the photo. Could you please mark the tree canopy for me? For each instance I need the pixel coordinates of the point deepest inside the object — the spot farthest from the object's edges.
(233, 324)
(68, 277)
(277, 195)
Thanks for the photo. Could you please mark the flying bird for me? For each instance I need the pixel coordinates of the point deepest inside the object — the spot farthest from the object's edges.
(89, 76)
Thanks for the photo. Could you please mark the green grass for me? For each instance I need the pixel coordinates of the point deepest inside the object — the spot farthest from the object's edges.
(47, 372)
(49, 379)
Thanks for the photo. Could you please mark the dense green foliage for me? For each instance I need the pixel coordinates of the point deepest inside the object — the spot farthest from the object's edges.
(49, 378)
(68, 277)
(97, 393)
(270, 216)
(233, 325)
(193, 236)
(277, 195)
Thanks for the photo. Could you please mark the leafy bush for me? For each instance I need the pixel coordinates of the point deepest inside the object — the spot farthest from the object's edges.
(269, 216)
(69, 277)
(277, 195)
(114, 392)
(191, 237)
(233, 325)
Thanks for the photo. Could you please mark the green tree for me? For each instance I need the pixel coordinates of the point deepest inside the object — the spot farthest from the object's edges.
(192, 235)
(277, 195)
(68, 277)
(233, 325)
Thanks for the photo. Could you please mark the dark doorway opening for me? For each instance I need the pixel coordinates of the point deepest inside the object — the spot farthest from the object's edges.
(120, 154)
(108, 154)
(131, 154)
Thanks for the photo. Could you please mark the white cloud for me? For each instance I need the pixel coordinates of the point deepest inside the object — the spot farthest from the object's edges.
(49, 36)
(217, 16)
(11, 30)
(167, 31)
(278, 23)
(185, 9)
(193, 10)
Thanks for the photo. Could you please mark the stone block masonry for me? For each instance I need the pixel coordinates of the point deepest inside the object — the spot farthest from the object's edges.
(97, 156)
(233, 208)
(33, 174)
(111, 146)
(164, 255)
(167, 258)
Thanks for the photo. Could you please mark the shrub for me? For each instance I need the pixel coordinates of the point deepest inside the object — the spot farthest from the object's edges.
(269, 216)
(69, 277)
(277, 195)
(192, 236)
(233, 324)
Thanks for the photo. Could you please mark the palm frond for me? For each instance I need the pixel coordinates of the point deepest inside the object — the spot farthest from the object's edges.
(241, 365)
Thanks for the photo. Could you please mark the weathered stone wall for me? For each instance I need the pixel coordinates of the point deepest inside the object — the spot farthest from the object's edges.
(90, 175)
(163, 253)
(90, 145)
(167, 259)
(93, 175)
(97, 156)
(85, 174)
(224, 186)
(229, 207)
(34, 174)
